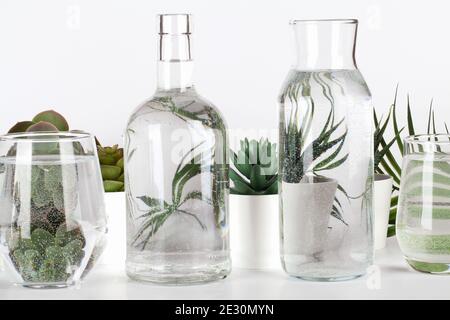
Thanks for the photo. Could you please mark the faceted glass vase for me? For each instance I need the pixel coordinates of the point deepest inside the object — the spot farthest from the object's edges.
(326, 156)
(52, 214)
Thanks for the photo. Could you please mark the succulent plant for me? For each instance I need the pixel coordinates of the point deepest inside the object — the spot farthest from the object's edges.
(111, 158)
(52, 117)
(54, 246)
(48, 120)
(112, 167)
(45, 258)
(255, 168)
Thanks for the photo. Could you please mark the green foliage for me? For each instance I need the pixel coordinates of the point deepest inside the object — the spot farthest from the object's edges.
(52, 117)
(158, 210)
(256, 168)
(112, 167)
(303, 153)
(42, 258)
(385, 161)
(110, 158)
(42, 126)
(48, 190)
(21, 126)
(48, 120)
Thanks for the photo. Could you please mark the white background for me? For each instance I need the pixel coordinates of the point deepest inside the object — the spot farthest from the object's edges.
(94, 60)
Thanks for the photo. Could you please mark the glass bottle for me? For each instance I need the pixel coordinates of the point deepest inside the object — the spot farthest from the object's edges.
(326, 156)
(176, 151)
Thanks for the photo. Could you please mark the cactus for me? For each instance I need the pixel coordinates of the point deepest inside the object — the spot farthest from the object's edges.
(112, 167)
(256, 168)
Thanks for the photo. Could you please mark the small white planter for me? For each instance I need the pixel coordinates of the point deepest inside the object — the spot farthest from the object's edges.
(381, 207)
(115, 252)
(254, 231)
(306, 214)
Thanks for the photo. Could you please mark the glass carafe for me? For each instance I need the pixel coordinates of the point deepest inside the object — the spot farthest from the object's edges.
(423, 219)
(176, 173)
(326, 156)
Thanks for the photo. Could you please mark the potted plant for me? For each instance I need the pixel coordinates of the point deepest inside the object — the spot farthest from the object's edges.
(254, 205)
(112, 169)
(309, 198)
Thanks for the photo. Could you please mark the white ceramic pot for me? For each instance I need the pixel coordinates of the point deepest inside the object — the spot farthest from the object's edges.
(306, 214)
(254, 231)
(381, 207)
(115, 252)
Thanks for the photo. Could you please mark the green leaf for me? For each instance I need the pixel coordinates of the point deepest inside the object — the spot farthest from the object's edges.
(257, 180)
(242, 188)
(152, 202)
(241, 163)
(334, 164)
(411, 130)
(391, 231)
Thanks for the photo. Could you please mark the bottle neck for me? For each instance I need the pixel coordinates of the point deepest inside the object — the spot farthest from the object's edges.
(175, 64)
(175, 75)
(325, 44)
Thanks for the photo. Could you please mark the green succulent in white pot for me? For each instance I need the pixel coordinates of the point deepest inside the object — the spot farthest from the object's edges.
(254, 205)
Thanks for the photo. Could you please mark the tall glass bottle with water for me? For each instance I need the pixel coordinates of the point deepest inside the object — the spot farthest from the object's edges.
(176, 173)
(326, 156)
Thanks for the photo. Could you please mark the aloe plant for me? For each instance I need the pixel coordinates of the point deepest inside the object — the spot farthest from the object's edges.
(255, 168)
(159, 210)
(305, 154)
(385, 161)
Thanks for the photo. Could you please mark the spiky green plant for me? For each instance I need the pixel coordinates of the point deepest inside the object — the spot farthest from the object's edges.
(304, 154)
(159, 210)
(385, 161)
(255, 168)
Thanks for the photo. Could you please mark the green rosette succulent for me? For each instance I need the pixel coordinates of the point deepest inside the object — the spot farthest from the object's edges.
(255, 169)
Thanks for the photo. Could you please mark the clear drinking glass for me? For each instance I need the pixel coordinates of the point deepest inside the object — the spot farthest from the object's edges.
(52, 216)
(176, 176)
(423, 218)
(326, 156)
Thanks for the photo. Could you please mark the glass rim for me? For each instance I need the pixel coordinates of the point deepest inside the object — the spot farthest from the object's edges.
(428, 139)
(318, 21)
(45, 136)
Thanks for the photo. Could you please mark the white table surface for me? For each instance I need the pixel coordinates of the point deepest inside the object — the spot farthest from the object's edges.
(390, 278)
